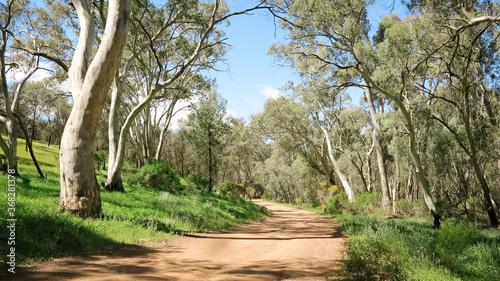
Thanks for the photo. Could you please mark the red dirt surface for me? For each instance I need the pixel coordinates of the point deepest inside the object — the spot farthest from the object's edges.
(291, 245)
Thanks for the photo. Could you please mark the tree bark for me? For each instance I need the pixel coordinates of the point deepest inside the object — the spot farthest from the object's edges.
(386, 199)
(342, 177)
(473, 158)
(114, 181)
(80, 191)
(210, 182)
(29, 145)
(422, 178)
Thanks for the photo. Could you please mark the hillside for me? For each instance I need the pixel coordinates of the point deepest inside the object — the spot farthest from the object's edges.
(138, 215)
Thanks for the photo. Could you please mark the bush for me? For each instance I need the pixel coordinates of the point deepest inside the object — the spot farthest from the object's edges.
(158, 176)
(231, 190)
(452, 240)
(397, 249)
(338, 204)
(366, 203)
(197, 181)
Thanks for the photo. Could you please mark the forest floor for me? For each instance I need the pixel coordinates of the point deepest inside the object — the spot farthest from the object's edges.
(291, 245)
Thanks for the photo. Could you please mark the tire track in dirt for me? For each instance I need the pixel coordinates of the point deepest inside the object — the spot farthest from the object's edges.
(291, 245)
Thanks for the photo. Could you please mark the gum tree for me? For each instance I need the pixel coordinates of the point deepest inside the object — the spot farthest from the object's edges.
(91, 78)
(177, 47)
(208, 125)
(337, 35)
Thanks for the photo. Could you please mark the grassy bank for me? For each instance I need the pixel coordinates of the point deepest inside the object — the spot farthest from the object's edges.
(406, 249)
(410, 249)
(44, 232)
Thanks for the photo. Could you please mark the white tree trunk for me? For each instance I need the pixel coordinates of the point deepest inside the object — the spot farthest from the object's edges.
(342, 177)
(386, 199)
(80, 192)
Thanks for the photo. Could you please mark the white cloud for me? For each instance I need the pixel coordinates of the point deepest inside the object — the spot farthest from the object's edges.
(269, 92)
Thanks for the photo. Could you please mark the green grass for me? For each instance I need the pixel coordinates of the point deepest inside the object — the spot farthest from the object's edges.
(410, 249)
(405, 249)
(44, 232)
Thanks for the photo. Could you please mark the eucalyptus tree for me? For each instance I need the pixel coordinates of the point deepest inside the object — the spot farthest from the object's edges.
(208, 125)
(13, 64)
(244, 151)
(168, 44)
(325, 108)
(286, 122)
(186, 89)
(341, 29)
(91, 78)
(322, 85)
(461, 97)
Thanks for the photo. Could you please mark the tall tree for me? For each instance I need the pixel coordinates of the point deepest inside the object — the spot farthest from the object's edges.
(90, 85)
(208, 123)
(342, 29)
(185, 42)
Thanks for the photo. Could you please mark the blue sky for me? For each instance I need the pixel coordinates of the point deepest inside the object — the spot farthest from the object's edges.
(254, 76)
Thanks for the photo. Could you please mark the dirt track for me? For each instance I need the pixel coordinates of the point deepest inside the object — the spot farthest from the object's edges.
(290, 245)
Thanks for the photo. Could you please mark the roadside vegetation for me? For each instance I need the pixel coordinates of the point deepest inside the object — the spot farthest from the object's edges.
(406, 246)
(140, 214)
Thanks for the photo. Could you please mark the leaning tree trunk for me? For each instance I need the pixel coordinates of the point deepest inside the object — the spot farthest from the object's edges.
(80, 192)
(386, 199)
(473, 158)
(422, 178)
(114, 181)
(342, 177)
(29, 145)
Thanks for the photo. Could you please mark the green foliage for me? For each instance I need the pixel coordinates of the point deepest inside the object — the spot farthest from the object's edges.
(99, 160)
(396, 249)
(232, 190)
(157, 175)
(366, 203)
(338, 203)
(197, 181)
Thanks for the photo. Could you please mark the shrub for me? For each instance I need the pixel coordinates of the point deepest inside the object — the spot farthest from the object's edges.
(197, 181)
(404, 208)
(338, 204)
(367, 203)
(231, 190)
(452, 240)
(157, 175)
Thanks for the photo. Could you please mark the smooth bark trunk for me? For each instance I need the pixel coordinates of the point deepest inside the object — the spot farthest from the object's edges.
(384, 187)
(80, 191)
(422, 178)
(340, 174)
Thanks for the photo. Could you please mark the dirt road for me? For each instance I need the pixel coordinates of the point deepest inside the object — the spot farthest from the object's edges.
(290, 245)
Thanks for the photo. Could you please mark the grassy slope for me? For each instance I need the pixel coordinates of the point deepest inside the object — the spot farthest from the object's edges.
(410, 249)
(140, 214)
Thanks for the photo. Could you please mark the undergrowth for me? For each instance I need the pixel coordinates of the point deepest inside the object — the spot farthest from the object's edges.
(386, 248)
(406, 249)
